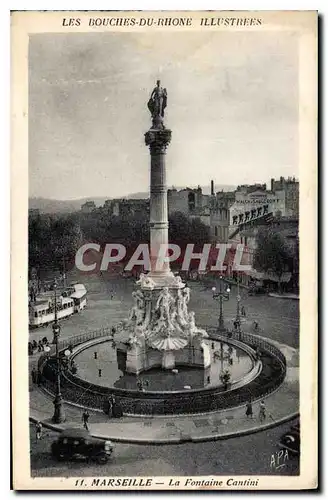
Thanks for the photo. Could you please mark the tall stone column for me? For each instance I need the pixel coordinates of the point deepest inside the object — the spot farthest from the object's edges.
(158, 141)
(160, 328)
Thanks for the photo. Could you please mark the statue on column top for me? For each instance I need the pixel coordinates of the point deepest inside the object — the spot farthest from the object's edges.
(157, 103)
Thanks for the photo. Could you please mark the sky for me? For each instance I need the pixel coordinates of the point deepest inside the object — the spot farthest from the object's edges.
(232, 108)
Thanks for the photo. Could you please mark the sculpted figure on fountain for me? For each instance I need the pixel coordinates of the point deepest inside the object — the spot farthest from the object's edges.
(197, 333)
(137, 314)
(183, 297)
(146, 282)
(164, 304)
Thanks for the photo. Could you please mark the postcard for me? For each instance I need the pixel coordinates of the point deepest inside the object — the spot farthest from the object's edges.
(164, 235)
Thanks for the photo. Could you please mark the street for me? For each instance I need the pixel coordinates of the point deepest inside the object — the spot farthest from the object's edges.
(253, 454)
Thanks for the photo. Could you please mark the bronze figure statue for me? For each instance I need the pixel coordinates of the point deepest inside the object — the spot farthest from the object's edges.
(157, 104)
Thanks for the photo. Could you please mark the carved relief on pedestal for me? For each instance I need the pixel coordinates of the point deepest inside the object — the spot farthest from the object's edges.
(166, 333)
(162, 321)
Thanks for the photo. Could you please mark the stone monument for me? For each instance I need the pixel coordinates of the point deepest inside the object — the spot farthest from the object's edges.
(161, 331)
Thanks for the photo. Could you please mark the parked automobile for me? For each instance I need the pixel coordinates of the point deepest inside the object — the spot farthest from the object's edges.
(291, 440)
(77, 443)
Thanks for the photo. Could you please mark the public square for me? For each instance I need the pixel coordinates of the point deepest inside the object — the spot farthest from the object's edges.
(109, 301)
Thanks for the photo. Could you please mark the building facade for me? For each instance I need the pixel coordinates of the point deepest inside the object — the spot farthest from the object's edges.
(247, 234)
(188, 201)
(122, 207)
(290, 187)
(253, 201)
(88, 207)
(212, 209)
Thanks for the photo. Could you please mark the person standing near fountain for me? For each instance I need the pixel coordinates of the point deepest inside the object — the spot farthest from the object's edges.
(249, 409)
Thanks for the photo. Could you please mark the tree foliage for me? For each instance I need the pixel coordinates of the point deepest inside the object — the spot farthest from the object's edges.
(54, 238)
(272, 253)
(183, 230)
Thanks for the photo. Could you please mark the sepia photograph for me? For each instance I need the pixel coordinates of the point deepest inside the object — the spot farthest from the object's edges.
(161, 328)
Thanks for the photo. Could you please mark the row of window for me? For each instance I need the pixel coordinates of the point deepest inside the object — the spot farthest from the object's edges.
(43, 312)
(221, 231)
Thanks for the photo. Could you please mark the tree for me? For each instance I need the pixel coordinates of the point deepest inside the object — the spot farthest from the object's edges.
(183, 230)
(272, 253)
(52, 240)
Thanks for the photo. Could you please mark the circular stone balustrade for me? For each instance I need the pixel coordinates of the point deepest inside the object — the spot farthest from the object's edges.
(266, 376)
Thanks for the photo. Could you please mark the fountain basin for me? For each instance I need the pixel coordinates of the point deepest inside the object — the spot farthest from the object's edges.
(238, 360)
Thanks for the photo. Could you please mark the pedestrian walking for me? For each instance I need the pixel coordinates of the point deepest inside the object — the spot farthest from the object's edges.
(256, 326)
(117, 408)
(243, 311)
(262, 414)
(249, 409)
(38, 430)
(30, 348)
(34, 375)
(85, 419)
(139, 385)
(110, 407)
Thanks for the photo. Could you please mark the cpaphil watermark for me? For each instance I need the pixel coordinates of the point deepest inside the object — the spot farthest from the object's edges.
(92, 257)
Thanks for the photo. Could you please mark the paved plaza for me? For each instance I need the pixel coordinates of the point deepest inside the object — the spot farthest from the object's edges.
(278, 320)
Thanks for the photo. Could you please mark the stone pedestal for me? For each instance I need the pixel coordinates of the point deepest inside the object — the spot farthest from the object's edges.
(168, 360)
(140, 357)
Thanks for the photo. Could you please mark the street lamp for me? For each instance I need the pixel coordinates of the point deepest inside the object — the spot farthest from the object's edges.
(238, 308)
(221, 295)
(59, 414)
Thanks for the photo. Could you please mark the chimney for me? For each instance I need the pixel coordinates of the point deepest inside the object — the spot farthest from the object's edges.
(212, 188)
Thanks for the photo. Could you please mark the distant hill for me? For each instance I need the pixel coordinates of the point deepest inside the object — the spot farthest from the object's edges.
(46, 205)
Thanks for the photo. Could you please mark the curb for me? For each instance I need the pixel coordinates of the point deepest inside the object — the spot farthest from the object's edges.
(183, 438)
(284, 297)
